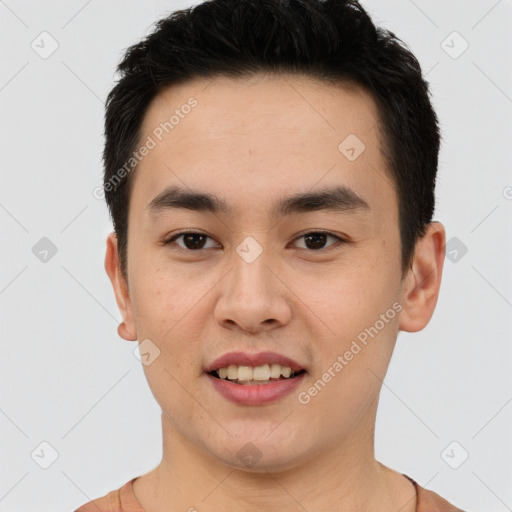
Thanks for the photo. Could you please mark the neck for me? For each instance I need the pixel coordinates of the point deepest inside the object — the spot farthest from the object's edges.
(346, 477)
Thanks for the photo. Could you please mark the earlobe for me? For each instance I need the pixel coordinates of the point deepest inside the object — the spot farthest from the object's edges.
(421, 286)
(126, 328)
(124, 333)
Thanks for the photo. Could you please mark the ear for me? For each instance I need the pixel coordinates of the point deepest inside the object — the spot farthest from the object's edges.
(421, 285)
(126, 328)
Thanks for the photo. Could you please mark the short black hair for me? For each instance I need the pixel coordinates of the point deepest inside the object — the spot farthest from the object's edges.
(331, 40)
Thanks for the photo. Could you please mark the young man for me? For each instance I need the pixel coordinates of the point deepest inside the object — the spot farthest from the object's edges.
(270, 169)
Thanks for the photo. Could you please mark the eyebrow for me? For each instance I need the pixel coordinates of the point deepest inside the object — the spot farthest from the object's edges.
(340, 199)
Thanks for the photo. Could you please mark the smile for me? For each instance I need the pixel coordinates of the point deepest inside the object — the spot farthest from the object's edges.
(254, 376)
(256, 392)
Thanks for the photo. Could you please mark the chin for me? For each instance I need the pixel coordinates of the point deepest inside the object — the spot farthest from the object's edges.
(261, 450)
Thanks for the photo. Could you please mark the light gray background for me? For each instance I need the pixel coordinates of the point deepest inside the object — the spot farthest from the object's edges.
(68, 380)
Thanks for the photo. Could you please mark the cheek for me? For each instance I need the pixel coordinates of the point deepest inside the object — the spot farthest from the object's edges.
(355, 349)
(358, 316)
(160, 297)
(162, 312)
(349, 299)
(154, 306)
(167, 309)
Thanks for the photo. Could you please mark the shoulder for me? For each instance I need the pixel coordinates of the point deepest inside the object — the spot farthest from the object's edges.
(114, 501)
(429, 501)
(104, 504)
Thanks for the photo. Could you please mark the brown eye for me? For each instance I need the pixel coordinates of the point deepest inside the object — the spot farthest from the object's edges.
(316, 240)
(191, 241)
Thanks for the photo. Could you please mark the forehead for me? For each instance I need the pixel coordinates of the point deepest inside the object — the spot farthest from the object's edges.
(261, 134)
(294, 103)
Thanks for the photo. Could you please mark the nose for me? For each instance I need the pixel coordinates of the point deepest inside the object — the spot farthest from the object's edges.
(253, 296)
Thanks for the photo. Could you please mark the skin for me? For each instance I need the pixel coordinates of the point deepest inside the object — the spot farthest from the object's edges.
(251, 141)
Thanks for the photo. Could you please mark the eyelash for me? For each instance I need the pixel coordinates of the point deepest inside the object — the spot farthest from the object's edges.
(338, 242)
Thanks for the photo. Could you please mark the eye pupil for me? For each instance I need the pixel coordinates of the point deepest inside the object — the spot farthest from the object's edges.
(187, 237)
(317, 244)
(314, 240)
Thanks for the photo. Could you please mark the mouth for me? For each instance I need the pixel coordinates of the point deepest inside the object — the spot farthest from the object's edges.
(255, 379)
(256, 375)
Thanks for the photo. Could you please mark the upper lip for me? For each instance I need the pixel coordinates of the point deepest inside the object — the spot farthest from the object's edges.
(256, 359)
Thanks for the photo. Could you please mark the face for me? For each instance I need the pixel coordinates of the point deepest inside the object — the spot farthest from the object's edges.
(258, 269)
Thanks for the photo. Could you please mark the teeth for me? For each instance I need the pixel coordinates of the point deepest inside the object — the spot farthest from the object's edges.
(244, 373)
(232, 372)
(258, 373)
(286, 371)
(275, 371)
(261, 372)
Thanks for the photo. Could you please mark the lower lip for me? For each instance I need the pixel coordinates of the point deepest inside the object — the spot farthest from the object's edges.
(257, 394)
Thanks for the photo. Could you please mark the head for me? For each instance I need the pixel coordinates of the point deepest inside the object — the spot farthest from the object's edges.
(248, 103)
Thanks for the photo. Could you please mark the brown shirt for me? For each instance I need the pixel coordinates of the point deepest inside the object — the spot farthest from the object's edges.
(124, 500)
